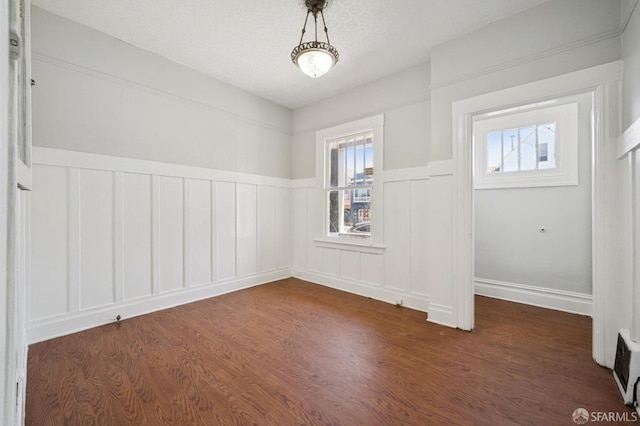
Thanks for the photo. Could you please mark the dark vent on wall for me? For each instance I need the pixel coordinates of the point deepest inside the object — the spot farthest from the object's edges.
(626, 369)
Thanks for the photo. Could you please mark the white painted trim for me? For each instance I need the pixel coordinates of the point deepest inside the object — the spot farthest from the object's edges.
(441, 168)
(565, 173)
(350, 245)
(627, 16)
(401, 175)
(409, 300)
(432, 169)
(303, 183)
(48, 328)
(567, 301)
(115, 79)
(84, 160)
(442, 315)
(526, 59)
(601, 80)
(630, 139)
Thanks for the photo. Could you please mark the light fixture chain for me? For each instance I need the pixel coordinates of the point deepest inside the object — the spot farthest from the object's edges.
(304, 27)
(326, 31)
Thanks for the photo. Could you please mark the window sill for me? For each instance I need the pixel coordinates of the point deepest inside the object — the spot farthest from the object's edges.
(350, 244)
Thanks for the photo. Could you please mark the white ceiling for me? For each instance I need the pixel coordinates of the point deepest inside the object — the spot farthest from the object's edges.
(248, 43)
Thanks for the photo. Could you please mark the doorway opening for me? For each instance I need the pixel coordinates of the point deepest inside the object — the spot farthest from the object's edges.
(532, 203)
(602, 84)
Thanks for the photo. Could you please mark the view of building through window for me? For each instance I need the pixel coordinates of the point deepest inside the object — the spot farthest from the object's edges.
(525, 148)
(349, 184)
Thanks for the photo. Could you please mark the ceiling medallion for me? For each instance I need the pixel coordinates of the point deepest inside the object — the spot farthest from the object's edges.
(315, 57)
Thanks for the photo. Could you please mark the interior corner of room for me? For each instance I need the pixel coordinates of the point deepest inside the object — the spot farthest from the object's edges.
(137, 182)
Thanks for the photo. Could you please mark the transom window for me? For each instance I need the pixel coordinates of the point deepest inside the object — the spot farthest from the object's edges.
(526, 148)
(349, 184)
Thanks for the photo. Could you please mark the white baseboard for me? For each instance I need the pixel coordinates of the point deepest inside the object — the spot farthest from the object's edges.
(49, 328)
(413, 301)
(441, 314)
(559, 300)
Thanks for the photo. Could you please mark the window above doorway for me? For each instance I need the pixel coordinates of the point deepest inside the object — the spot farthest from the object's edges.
(527, 149)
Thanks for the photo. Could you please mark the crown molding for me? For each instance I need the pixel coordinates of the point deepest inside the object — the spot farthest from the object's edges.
(529, 58)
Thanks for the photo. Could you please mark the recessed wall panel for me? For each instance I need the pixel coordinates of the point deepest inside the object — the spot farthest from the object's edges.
(136, 235)
(96, 238)
(266, 228)
(397, 234)
(246, 230)
(200, 212)
(284, 227)
(171, 233)
(49, 243)
(226, 229)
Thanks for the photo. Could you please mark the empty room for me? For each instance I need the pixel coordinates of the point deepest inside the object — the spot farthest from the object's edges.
(320, 212)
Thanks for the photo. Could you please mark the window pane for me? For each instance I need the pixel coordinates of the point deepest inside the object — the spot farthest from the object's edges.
(547, 146)
(360, 219)
(334, 164)
(334, 209)
(528, 148)
(510, 150)
(359, 173)
(494, 152)
(350, 163)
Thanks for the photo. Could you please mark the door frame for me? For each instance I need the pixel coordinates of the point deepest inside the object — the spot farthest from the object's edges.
(603, 83)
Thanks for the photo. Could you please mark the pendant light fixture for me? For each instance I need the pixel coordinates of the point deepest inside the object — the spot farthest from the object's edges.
(315, 58)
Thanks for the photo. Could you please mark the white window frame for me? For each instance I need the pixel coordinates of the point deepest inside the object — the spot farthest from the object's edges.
(566, 171)
(374, 243)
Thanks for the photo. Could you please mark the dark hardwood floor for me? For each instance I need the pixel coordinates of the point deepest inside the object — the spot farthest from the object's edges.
(295, 353)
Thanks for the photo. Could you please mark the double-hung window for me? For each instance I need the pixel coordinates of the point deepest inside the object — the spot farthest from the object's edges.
(349, 166)
(349, 178)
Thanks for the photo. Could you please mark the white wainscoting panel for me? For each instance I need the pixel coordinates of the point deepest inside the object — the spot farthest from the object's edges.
(226, 229)
(200, 232)
(136, 223)
(49, 293)
(170, 243)
(419, 237)
(96, 238)
(397, 236)
(350, 264)
(246, 230)
(372, 269)
(114, 236)
(284, 228)
(417, 205)
(439, 222)
(266, 222)
(300, 228)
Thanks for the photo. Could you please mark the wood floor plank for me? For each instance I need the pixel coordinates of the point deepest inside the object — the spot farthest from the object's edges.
(295, 353)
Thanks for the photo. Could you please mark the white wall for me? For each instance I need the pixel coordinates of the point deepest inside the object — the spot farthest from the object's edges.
(154, 185)
(577, 35)
(415, 194)
(97, 94)
(7, 345)
(553, 38)
(511, 252)
(631, 55)
(629, 151)
(402, 97)
(115, 236)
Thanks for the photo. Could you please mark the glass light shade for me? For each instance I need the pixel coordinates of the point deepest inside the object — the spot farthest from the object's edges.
(315, 62)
